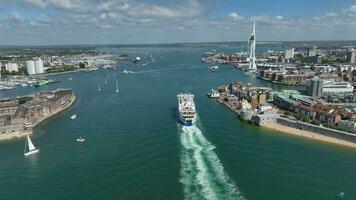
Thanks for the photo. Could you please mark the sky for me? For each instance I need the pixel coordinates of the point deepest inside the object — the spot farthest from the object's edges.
(63, 22)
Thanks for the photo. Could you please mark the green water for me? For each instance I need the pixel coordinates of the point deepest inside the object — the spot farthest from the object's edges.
(136, 150)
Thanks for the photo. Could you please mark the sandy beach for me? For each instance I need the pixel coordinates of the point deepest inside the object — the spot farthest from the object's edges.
(308, 134)
(15, 135)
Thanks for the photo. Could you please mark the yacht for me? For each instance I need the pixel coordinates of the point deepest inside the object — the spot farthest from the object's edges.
(136, 60)
(127, 72)
(214, 68)
(80, 139)
(186, 109)
(73, 116)
(29, 147)
(214, 94)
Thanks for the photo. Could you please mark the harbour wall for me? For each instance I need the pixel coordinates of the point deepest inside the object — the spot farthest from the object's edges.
(317, 129)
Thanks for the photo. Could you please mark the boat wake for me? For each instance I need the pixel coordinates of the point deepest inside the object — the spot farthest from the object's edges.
(202, 174)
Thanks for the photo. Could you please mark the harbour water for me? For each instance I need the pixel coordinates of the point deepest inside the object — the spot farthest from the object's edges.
(134, 148)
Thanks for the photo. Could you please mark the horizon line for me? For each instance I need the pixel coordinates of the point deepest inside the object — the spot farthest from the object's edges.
(171, 43)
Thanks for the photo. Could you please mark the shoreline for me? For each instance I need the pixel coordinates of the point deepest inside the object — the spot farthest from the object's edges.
(56, 112)
(21, 134)
(297, 132)
(308, 134)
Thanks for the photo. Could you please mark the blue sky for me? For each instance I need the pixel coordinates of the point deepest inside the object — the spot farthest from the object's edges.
(39, 22)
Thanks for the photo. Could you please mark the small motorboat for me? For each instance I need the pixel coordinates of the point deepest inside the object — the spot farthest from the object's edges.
(73, 116)
(214, 68)
(80, 139)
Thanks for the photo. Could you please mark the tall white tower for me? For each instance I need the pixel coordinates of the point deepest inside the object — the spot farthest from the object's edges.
(252, 45)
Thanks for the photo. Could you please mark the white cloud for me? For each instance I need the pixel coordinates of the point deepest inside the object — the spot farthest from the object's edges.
(71, 5)
(192, 17)
(234, 16)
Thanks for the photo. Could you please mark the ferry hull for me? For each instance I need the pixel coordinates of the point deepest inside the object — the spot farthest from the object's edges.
(185, 122)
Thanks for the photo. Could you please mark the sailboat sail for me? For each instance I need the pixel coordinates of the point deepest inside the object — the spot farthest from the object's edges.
(31, 147)
(117, 87)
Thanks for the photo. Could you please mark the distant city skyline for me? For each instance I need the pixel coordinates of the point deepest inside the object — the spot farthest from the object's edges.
(80, 22)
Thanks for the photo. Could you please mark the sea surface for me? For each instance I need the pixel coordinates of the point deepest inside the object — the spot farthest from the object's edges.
(135, 149)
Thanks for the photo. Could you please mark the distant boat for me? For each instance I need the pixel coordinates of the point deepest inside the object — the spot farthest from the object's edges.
(214, 68)
(80, 139)
(127, 72)
(99, 88)
(144, 64)
(29, 147)
(106, 82)
(136, 60)
(73, 116)
(117, 87)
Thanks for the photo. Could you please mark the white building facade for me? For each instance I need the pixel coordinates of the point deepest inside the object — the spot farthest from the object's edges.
(331, 86)
(39, 66)
(12, 67)
(289, 54)
(30, 67)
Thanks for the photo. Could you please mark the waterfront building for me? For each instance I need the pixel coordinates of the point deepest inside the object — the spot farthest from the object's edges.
(11, 67)
(30, 67)
(289, 53)
(347, 124)
(351, 57)
(39, 66)
(314, 87)
(332, 86)
(304, 105)
(252, 52)
(264, 106)
(245, 105)
(265, 119)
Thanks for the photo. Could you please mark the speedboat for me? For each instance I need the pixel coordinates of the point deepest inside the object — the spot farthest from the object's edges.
(80, 139)
(214, 68)
(127, 72)
(73, 116)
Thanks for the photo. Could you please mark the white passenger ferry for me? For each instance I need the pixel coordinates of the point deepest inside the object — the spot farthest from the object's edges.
(186, 108)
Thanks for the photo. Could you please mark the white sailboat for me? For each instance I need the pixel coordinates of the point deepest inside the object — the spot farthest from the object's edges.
(117, 87)
(31, 148)
(99, 88)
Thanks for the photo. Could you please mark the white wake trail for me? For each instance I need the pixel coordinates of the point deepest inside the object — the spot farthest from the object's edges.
(202, 174)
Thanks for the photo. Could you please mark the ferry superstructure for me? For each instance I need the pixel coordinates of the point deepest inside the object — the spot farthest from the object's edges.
(186, 108)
